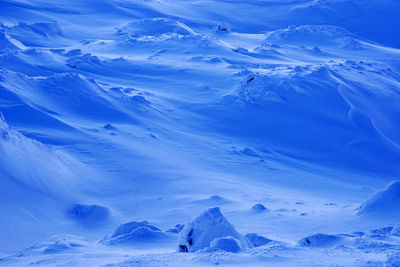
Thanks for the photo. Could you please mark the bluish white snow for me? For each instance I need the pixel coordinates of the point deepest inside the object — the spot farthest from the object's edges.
(199, 133)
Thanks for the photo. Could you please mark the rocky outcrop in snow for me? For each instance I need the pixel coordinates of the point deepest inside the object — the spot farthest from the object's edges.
(211, 230)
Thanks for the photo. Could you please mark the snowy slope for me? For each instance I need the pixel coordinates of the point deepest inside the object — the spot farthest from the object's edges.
(144, 114)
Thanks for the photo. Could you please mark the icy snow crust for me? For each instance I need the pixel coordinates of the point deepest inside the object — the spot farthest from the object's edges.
(124, 124)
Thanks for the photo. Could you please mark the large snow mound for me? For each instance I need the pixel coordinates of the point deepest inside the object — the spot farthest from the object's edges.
(310, 35)
(383, 203)
(211, 228)
(135, 232)
(155, 26)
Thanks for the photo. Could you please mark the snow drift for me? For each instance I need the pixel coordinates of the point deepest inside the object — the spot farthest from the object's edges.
(135, 233)
(384, 203)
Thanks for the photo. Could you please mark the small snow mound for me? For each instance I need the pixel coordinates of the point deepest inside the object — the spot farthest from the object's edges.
(383, 203)
(257, 240)
(155, 26)
(259, 208)
(134, 232)
(320, 240)
(207, 227)
(73, 52)
(228, 243)
(127, 228)
(311, 35)
(57, 244)
(213, 200)
(176, 230)
(89, 215)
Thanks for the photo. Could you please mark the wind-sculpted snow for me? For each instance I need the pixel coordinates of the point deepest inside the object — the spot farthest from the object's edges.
(155, 26)
(384, 203)
(285, 114)
(137, 234)
(312, 35)
(7, 42)
(35, 34)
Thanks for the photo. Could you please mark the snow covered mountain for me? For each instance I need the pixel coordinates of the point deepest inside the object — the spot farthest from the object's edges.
(124, 124)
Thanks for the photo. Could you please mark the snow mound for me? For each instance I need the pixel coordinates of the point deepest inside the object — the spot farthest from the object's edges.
(77, 60)
(229, 244)
(213, 200)
(383, 203)
(176, 43)
(259, 208)
(310, 35)
(175, 230)
(206, 228)
(371, 19)
(135, 232)
(320, 240)
(155, 26)
(57, 244)
(89, 215)
(257, 240)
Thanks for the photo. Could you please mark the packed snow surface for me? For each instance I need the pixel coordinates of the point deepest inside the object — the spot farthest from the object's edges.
(185, 133)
